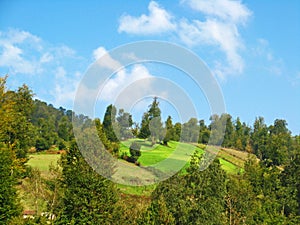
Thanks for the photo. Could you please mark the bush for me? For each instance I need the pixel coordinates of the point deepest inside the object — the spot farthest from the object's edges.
(135, 151)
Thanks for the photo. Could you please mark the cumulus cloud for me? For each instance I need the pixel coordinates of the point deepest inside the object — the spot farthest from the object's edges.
(219, 28)
(123, 79)
(65, 87)
(24, 55)
(226, 10)
(106, 60)
(13, 56)
(158, 21)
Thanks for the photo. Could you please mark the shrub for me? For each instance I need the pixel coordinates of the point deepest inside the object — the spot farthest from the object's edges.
(135, 151)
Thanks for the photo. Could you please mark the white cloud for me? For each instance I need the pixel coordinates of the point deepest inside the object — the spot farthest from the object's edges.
(226, 10)
(24, 53)
(158, 21)
(65, 87)
(54, 67)
(219, 29)
(13, 56)
(105, 60)
(211, 32)
(114, 86)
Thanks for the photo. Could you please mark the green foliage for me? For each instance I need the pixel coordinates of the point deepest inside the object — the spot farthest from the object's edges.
(290, 180)
(194, 198)
(204, 133)
(88, 197)
(9, 204)
(109, 122)
(144, 131)
(135, 151)
(169, 131)
(124, 123)
(15, 109)
(53, 126)
(240, 201)
(151, 125)
(190, 131)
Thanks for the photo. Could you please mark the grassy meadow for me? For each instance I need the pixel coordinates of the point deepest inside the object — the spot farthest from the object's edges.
(174, 157)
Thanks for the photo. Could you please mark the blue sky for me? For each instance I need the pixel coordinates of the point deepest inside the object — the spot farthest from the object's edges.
(251, 47)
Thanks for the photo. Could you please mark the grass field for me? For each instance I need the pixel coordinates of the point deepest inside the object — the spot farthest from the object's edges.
(167, 159)
(43, 161)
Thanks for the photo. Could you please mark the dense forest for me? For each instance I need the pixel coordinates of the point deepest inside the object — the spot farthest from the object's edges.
(267, 191)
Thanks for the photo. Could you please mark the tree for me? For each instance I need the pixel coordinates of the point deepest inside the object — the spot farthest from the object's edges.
(190, 131)
(109, 123)
(240, 201)
(194, 198)
(203, 133)
(135, 151)
(177, 131)
(169, 131)
(279, 142)
(144, 131)
(88, 197)
(16, 129)
(290, 180)
(155, 124)
(259, 137)
(125, 123)
(229, 132)
(9, 204)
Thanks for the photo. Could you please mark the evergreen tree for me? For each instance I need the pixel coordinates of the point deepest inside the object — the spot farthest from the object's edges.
(229, 132)
(144, 131)
(169, 131)
(155, 124)
(177, 132)
(109, 123)
(125, 123)
(88, 197)
(194, 198)
(9, 204)
(203, 133)
(259, 137)
(16, 129)
(290, 180)
(190, 131)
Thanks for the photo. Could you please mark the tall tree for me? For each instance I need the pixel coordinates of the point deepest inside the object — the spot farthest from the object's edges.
(169, 131)
(9, 205)
(144, 131)
(191, 198)
(259, 137)
(229, 131)
(88, 197)
(125, 123)
(279, 142)
(109, 123)
(155, 124)
(203, 133)
(190, 131)
(177, 131)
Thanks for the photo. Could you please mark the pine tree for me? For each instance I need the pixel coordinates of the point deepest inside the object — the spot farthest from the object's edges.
(155, 124)
(169, 131)
(9, 205)
(88, 198)
(109, 122)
